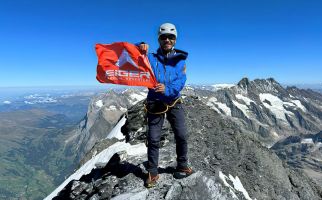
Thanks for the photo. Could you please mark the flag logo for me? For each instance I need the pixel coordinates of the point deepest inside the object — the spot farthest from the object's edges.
(125, 58)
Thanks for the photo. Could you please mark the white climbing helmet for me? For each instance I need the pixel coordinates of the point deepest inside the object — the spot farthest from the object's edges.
(167, 28)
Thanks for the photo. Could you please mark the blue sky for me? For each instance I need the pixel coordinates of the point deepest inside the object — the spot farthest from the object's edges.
(46, 43)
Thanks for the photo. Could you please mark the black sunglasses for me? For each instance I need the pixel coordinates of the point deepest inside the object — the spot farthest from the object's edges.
(169, 36)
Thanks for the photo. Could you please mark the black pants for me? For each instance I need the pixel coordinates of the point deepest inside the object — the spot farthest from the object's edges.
(175, 116)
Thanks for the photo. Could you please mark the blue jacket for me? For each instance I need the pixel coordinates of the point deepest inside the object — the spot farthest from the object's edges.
(169, 70)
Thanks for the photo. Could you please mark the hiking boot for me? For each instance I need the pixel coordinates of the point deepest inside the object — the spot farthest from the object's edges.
(183, 172)
(151, 181)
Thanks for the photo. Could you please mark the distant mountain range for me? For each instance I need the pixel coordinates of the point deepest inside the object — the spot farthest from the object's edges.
(316, 87)
(231, 128)
(267, 108)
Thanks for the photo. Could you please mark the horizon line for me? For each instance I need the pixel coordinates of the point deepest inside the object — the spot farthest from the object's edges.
(115, 85)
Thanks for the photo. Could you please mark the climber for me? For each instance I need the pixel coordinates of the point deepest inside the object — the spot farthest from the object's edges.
(164, 101)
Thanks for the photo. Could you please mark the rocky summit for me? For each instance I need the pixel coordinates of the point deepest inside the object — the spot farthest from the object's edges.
(229, 160)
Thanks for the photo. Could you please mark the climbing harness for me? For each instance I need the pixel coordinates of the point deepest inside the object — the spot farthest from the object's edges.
(158, 107)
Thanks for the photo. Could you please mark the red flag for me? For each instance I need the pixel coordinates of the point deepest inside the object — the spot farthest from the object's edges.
(122, 63)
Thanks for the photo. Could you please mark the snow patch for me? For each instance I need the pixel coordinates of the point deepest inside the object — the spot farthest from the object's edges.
(307, 141)
(299, 104)
(237, 185)
(133, 195)
(223, 177)
(245, 99)
(139, 149)
(222, 86)
(241, 107)
(275, 134)
(212, 101)
(211, 185)
(111, 108)
(275, 106)
(288, 104)
(224, 108)
(99, 103)
(189, 88)
(135, 98)
(317, 146)
(295, 103)
(123, 109)
(116, 131)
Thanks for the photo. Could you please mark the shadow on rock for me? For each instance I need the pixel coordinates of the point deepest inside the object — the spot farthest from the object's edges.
(101, 181)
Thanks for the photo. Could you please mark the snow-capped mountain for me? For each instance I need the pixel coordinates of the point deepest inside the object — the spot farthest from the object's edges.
(227, 127)
(265, 107)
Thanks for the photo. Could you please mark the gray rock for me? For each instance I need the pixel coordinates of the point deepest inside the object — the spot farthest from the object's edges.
(198, 186)
(302, 152)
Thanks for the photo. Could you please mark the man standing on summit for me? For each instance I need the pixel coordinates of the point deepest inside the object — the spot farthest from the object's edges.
(164, 101)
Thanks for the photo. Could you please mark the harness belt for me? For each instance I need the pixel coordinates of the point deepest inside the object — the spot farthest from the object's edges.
(159, 107)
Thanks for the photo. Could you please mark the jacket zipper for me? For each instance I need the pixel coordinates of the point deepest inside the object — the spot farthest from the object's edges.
(165, 68)
(165, 73)
(158, 70)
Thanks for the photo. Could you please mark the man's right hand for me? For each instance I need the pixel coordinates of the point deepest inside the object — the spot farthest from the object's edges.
(144, 48)
(160, 88)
